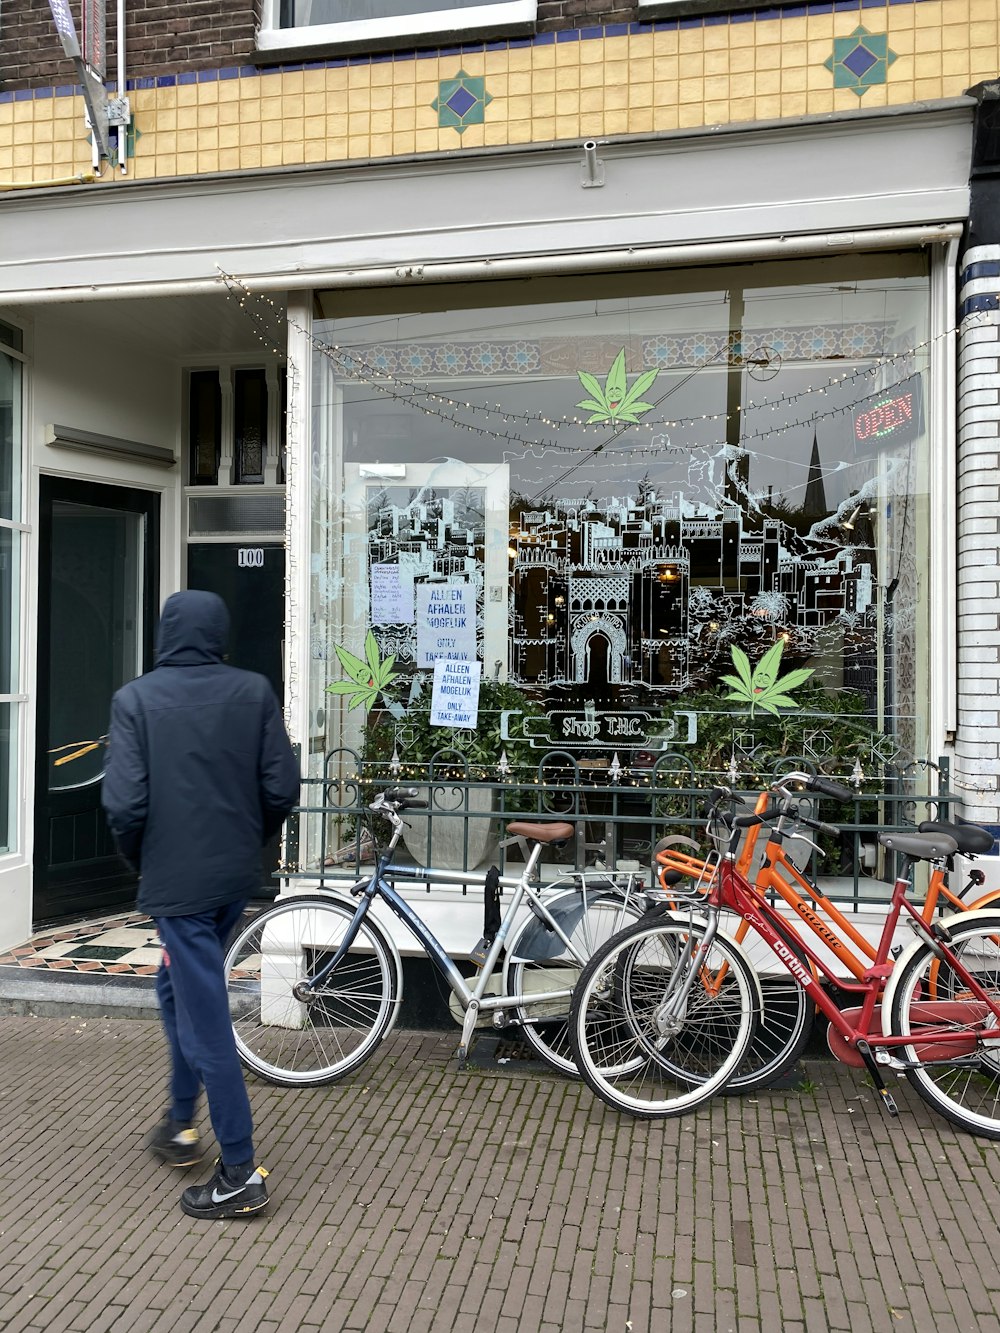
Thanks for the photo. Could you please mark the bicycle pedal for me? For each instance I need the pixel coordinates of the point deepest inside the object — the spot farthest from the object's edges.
(888, 1101)
(871, 1060)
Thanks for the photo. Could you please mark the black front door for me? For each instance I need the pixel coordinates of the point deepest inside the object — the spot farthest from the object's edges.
(97, 591)
(251, 582)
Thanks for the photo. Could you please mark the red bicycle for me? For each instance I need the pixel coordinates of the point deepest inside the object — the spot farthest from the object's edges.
(665, 1011)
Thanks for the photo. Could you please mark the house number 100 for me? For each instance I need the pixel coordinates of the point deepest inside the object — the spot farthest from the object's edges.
(250, 557)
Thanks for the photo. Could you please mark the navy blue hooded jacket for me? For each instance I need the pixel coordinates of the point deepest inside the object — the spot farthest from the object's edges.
(200, 770)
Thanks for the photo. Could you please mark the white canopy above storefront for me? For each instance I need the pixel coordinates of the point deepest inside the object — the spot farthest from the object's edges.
(866, 181)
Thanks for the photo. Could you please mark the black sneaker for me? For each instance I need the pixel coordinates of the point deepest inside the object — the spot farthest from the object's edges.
(175, 1143)
(226, 1197)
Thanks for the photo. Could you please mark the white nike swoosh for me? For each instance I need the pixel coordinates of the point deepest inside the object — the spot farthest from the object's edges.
(221, 1198)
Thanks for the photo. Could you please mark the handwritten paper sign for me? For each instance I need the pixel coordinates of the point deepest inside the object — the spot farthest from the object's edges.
(446, 623)
(455, 698)
(392, 596)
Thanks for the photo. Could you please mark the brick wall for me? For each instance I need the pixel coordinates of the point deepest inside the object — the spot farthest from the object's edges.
(160, 38)
(30, 54)
(977, 749)
(165, 38)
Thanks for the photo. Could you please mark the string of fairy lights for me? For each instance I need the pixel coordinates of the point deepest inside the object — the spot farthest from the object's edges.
(271, 327)
(663, 771)
(270, 324)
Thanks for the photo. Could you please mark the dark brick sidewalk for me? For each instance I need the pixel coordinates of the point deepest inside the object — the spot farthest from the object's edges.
(413, 1197)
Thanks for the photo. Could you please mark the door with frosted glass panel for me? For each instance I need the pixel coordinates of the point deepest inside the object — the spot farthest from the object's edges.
(97, 602)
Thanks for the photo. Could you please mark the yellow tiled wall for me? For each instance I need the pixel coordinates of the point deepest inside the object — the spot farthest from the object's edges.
(592, 87)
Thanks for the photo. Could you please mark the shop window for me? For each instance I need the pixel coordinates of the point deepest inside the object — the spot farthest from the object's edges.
(697, 465)
(291, 23)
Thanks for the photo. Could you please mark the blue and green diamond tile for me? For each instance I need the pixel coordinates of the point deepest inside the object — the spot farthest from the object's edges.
(860, 61)
(461, 102)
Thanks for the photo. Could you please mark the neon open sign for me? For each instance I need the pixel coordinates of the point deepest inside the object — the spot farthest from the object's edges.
(896, 415)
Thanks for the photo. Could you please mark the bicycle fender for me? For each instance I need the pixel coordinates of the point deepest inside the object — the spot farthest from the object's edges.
(989, 900)
(536, 942)
(340, 896)
(568, 909)
(985, 915)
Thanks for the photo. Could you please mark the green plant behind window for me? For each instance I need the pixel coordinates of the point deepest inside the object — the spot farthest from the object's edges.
(416, 743)
(832, 730)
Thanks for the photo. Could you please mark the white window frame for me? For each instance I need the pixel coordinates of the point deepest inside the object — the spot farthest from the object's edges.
(18, 757)
(477, 18)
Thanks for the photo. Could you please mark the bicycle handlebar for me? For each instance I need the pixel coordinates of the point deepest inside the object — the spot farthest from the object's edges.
(815, 782)
(787, 807)
(827, 787)
(394, 799)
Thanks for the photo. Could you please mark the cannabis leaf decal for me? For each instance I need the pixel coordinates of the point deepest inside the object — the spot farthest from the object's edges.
(616, 402)
(760, 687)
(368, 676)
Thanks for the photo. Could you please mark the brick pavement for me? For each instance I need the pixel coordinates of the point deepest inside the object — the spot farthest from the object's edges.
(416, 1198)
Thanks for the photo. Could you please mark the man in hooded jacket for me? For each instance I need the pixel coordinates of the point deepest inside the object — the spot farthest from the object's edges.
(200, 774)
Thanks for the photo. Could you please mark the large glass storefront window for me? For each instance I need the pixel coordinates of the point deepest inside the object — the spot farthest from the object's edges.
(611, 492)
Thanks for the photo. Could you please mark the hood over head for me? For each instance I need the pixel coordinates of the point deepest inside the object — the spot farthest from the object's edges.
(194, 629)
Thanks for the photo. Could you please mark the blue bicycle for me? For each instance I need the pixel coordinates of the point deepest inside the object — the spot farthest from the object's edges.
(315, 981)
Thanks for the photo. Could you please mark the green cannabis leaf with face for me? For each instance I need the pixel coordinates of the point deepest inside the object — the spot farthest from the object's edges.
(760, 686)
(616, 402)
(368, 677)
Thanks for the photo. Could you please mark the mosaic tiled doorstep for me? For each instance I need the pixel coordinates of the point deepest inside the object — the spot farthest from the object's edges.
(125, 945)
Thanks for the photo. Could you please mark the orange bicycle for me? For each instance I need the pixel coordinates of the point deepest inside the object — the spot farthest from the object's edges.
(786, 1020)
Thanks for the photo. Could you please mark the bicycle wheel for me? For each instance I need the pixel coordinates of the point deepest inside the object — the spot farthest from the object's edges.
(545, 1024)
(782, 1032)
(635, 1055)
(306, 1043)
(927, 995)
(783, 1028)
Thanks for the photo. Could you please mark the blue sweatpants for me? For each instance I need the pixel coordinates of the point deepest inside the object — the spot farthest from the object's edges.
(191, 989)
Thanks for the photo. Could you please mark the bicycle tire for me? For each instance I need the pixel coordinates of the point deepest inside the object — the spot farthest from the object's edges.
(782, 1032)
(783, 1028)
(967, 1096)
(545, 1027)
(617, 1046)
(306, 1044)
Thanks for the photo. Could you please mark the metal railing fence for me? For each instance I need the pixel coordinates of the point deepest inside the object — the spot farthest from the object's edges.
(618, 814)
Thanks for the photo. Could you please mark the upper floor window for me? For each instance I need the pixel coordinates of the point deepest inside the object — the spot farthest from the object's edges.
(293, 23)
(236, 426)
